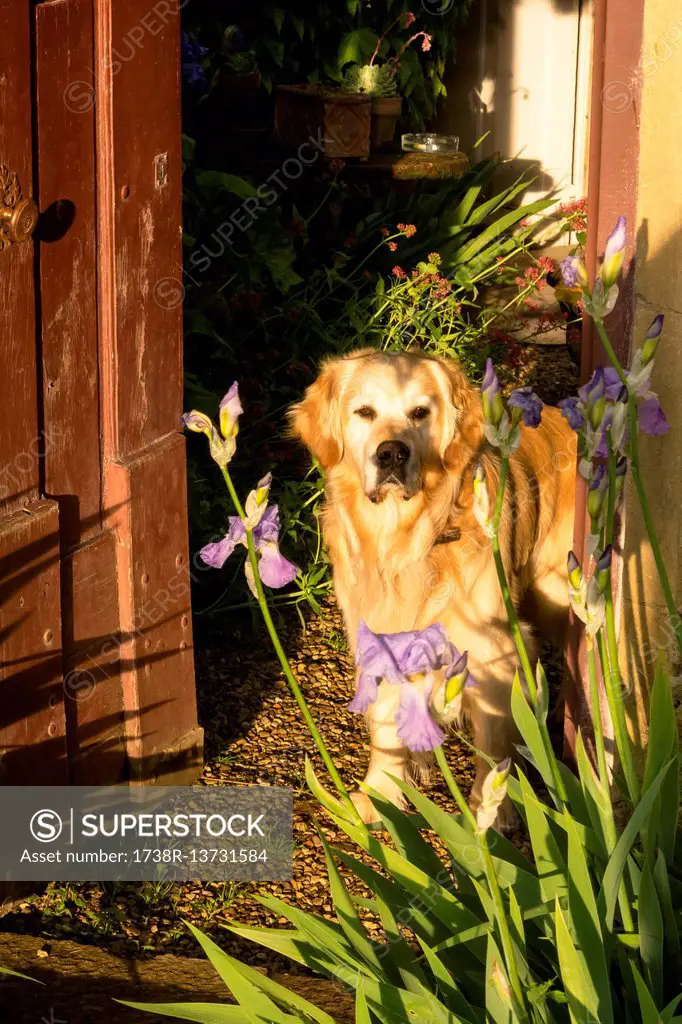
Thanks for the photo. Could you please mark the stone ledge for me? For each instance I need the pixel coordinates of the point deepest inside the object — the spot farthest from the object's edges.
(80, 983)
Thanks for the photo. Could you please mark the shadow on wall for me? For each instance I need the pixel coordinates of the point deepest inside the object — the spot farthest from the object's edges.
(515, 77)
(647, 627)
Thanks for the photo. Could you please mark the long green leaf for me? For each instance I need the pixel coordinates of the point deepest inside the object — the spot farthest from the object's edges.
(663, 745)
(361, 1009)
(498, 1006)
(587, 836)
(16, 974)
(318, 933)
(349, 920)
(447, 987)
(511, 866)
(410, 911)
(201, 1013)
(608, 896)
(258, 1006)
(324, 797)
(529, 728)
(647, 1006)
(586, 926)
(672, 931)
(549, 862)
(440, 901)
(583, 1000)
(406, 837)
(598, 802)
(650, 926)
(499, 228)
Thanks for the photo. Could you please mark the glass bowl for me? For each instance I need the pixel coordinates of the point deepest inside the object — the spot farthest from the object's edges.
(430, 143)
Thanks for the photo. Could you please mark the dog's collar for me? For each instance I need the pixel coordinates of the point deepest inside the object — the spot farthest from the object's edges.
(449, 536)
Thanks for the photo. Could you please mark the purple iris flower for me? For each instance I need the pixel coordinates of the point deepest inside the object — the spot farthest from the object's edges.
(571, 410)
(530, 405)
(573, 272)
(416, 727)
(594, 389)
(652, 419)
(614, 255)
(275, 570)
(192, 55)
(493, 409)
(394, 658)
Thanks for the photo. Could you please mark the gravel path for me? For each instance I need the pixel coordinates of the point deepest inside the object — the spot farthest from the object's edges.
(255, 735)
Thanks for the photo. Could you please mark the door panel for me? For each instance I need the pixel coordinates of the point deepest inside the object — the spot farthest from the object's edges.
(139, 114)
(96, 669)
(19, 444)
(68, 270)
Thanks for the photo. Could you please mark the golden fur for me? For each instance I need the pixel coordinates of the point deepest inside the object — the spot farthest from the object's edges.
(395, 563)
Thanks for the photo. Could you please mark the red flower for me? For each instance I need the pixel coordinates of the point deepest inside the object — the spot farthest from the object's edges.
(408, 18)
(393, 246)
(426, 43)
(385, 232)
(398, 272)
(407, 229)
(337, 165)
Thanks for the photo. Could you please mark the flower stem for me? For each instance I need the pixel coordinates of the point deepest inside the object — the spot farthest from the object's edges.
(611, 671)
(596, 713)
(493, 885)
(610, 833)
(504, 586)
(608, 347)
(675, 619)
(279, 650)
(561, 795)
(613, 680)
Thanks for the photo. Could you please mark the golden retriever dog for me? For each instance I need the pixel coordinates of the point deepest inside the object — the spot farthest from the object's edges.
(399, 436)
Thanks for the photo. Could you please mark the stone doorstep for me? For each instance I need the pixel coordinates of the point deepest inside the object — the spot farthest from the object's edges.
(80, 983)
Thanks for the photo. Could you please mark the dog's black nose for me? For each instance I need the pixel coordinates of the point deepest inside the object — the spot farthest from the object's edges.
(392, 455)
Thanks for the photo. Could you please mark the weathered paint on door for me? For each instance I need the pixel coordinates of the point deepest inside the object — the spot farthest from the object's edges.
(96, 676)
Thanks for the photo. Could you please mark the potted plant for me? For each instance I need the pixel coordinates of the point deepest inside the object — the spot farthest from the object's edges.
(240, 77)
(380, 82)
(339, 121)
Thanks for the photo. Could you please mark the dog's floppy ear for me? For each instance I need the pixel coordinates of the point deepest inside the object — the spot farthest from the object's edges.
(316, 421)
(463, 427)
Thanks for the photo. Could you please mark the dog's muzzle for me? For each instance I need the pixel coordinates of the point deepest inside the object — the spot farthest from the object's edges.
(391, 459)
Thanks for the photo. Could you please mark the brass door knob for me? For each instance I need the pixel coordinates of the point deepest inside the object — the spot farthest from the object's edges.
(18, 216)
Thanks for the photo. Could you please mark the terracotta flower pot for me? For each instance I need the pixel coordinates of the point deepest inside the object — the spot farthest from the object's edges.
(341, 121)
(240, 85)
(385, 113)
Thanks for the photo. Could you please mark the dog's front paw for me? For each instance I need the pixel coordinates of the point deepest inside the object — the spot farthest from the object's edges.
(365, 807)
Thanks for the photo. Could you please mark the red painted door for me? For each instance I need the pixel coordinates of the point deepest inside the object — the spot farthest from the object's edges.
(96, 666)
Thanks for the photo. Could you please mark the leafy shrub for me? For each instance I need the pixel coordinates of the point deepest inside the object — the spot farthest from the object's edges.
(301, 283)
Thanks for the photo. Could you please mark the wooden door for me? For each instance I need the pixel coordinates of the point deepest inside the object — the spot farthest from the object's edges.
(96, 676)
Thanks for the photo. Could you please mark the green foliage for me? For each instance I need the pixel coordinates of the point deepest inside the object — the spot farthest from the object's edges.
(300, 282)
(241, 63)
(292, 46)
(370, 79)
(576, 959)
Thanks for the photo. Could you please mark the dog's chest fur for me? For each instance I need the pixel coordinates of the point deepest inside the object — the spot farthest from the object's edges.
(389, 568)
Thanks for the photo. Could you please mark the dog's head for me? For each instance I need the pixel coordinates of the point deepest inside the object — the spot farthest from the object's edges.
(391, 418)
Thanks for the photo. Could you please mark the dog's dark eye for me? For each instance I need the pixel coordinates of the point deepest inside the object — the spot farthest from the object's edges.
(420, 413)
(366, 411)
